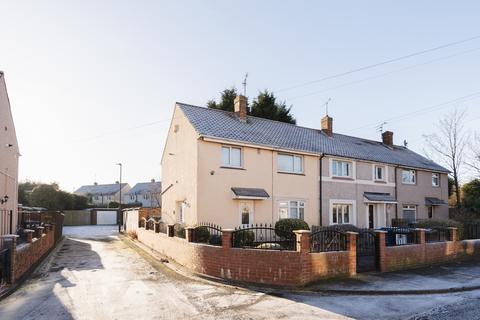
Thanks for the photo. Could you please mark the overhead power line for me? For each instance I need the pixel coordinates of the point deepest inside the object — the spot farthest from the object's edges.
(341, 74)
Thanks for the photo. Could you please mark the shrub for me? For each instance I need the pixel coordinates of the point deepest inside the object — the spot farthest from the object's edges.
(243, 238)
(202, 234)
(285, 227)
(441, 223)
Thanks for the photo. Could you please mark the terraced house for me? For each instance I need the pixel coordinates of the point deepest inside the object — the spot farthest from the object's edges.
(232, 169)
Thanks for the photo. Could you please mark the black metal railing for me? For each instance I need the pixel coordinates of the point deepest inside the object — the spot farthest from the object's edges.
(207, 233)
(5, 247)
(150, 225)
(437, 235)
(179, 230)
(161, 227)
(142, 223)
(400, 236)
(325, 239)
(471, 231)
(365, 242)
(262, 236)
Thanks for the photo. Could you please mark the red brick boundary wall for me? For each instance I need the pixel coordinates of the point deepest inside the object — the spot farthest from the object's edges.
(25, 256)
(422, 254)
(291, 268)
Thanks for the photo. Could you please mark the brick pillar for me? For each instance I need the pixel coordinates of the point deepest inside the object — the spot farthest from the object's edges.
(227, 238)
(12, 238)
(452, 234)
(380, 250)
(189, 234)
(171, 230)
(352, 252)
(420, 236)
(39, 232)
(302, 240)
(28, 235)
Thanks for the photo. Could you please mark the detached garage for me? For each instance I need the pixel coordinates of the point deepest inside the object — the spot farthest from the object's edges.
(106, 217)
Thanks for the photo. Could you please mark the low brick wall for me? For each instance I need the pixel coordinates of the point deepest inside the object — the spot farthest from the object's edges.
(291, 268)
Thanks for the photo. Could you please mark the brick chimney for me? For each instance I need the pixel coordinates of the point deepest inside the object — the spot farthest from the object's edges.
(387, 138)
(327, 125)
(240, 107)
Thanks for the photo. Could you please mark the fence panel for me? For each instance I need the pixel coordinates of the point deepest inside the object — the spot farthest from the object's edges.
(471, 231)
(436, 235)
(325, 239)
(207, 233)
(5, 247)
(263, 237)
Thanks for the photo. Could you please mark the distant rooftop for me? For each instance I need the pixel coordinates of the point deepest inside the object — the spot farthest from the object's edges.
(100, 189)
(146, 187)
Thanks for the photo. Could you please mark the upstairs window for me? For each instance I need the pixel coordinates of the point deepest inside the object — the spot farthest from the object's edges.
(341, 168)
(409, 177)
(291, 209)
(290, 163)
(231, 157)
(435, 180)
(379, 173)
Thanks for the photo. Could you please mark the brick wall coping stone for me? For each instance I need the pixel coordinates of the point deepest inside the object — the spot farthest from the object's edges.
(302, 231)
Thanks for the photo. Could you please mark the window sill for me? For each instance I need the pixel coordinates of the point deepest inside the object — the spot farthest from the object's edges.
(409, 184)
(294, 173)
(234, 168)
(381, 181)
(343, 178)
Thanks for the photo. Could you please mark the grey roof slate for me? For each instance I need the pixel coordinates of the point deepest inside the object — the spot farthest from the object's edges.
(379, 197)
(226, 126)
(431, 201)
(146, 187)
(104, 189)
(250, 192)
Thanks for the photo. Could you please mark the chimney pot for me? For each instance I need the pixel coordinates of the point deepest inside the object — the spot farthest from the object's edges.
(153, 180)
(95, 183)
(327, 125)
(387, 138)
(240, 107)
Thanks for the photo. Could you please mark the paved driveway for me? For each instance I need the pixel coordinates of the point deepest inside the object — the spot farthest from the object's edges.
(95, 275)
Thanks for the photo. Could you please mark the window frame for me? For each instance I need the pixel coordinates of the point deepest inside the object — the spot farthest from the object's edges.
(334, 168)
(293, 156)
(414, 176)
(384, 173)
(411, 207)
(301, 204)
(229, 164)
(437, 177)
(336, 214)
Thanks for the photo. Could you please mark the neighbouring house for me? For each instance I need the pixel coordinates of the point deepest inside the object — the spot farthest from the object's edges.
(146, 193)
(103, 194)
(232, 169)
(9, 154)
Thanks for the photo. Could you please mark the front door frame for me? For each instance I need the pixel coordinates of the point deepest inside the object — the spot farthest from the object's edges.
(251, 207)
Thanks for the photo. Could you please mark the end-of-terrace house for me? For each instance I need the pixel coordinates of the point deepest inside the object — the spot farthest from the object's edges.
(232, 169)
(146, 193)
(9, 155)
(102, 194)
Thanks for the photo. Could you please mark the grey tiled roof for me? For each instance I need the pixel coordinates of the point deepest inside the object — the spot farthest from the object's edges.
(379, 197)
(104, 189)
(146, 187)
(430, 201)
(226, 126)
(250, 192)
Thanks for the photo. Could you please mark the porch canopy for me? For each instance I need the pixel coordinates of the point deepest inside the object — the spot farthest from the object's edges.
(431, 201)
(379, 197)
(250, 193)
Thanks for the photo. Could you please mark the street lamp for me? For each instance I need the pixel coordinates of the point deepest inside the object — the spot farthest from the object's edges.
(120, 202)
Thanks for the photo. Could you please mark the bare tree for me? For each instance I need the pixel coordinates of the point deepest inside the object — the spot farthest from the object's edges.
(474, 159)
(448, 146)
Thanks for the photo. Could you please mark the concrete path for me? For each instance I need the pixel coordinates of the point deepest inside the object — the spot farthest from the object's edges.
(457, 276)
(95, 275)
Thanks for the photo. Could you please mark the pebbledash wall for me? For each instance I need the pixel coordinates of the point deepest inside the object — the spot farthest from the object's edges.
(25, 256)
(300, 267)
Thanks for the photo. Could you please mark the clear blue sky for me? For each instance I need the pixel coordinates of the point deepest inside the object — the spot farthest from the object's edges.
(82, 74)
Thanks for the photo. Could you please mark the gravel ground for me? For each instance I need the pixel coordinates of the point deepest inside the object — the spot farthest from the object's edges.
(95, 275)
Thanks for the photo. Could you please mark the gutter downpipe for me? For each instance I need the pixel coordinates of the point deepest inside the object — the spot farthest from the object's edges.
(396, 193)
(320, 190)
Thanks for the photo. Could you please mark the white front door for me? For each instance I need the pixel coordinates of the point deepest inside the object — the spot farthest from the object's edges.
(376, 215)
(246, 212)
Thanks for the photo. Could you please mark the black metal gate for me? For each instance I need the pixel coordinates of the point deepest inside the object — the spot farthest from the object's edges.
(366, 257)
(4, 264)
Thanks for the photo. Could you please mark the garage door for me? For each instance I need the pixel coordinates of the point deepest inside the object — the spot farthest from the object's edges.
(106, 217)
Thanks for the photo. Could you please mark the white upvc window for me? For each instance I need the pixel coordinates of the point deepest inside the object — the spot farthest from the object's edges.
(379, 172)
(341, 213)
(435, 180)
(409, 176)
(410, 212)
(293, 209)
(341, 168)
(290, 163)
(231, 156)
